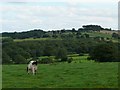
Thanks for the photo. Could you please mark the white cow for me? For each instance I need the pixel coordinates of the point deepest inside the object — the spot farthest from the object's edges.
(32, 66)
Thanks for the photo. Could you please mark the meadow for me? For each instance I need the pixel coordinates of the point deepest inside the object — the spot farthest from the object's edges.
(34, 39)
(99, 34)
(92, 34)
(80, 73)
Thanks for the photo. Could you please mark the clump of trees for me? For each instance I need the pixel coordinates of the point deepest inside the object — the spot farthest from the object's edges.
(92, 27)
(37, 33)
(20, 52)
(47, 60)
(116, 35)
(105, 52)
(61, 55)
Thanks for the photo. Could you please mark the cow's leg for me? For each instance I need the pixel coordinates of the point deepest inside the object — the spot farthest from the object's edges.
(33, 70)
(27, 70)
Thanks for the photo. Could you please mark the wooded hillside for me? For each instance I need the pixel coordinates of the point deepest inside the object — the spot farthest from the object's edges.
(20, 47)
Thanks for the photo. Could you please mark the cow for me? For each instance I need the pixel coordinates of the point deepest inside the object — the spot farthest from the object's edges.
(32, 67)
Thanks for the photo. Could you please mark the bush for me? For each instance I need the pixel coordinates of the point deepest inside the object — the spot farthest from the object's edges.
(46, 60)
(19, 59)
(64, 59)
(106, 52)
(89, 58)
(81, 54)
(70, 60)
(61, 54)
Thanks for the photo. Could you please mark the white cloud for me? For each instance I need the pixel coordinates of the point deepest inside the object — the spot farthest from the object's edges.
(59, 0)
(21, 17)
(92, 1)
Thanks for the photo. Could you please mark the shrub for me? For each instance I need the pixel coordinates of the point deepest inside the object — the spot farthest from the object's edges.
(70, 60)
(89, 58)
(46, 60)
(61, 54)
(64, 59)
(106, 52)
(81, 54)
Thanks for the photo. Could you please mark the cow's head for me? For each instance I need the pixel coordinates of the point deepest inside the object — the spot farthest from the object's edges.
(34, 63)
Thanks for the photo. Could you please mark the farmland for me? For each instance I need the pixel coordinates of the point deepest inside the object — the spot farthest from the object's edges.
(84, 74)
(83, 58)
(34, 39)
(92, 34)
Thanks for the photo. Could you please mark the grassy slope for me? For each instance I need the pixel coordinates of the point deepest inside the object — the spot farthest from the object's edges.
(92, 34)
(95, 34)
(32, 39)
(83, 75)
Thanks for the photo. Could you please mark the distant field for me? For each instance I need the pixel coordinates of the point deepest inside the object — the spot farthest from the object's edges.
(32, 39)
(95, 34)
(92, 34)
(86, 74)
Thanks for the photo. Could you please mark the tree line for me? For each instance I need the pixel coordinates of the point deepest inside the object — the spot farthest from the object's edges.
(22, 52)
(38, 33)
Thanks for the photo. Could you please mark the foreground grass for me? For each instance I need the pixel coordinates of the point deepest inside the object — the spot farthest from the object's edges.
(82, 75)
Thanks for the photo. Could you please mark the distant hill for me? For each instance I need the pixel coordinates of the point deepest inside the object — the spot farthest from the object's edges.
(38, 33)
(22, 35)
(19, 47)
(108, 32)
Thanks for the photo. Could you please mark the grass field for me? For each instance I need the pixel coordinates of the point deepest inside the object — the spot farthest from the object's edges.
(34, 39)
(81, 74)
(96, 34)
(92, 34)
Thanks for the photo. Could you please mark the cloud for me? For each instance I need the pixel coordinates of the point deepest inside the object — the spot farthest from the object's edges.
(59, 0)
(18, 17)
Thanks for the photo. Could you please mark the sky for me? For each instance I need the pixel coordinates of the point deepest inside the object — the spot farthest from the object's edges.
(25, 15)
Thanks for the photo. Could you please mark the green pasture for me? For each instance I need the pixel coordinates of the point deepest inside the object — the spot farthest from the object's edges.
(99, 34)
(34, 39)
(92, 34)
(76, 74)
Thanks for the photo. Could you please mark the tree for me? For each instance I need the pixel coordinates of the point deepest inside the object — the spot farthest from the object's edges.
(63, 31)
(105, 52)
(36, 33)
(73, 30)
(70, 60)
(92, 27)
(18, 59)
(6, 58)
(54, 35)
(115, 35)
(86, 35)
(46, 60)
(48, 51)
(62, 54)
(46, 36)
(81, 30)
(8, 39)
